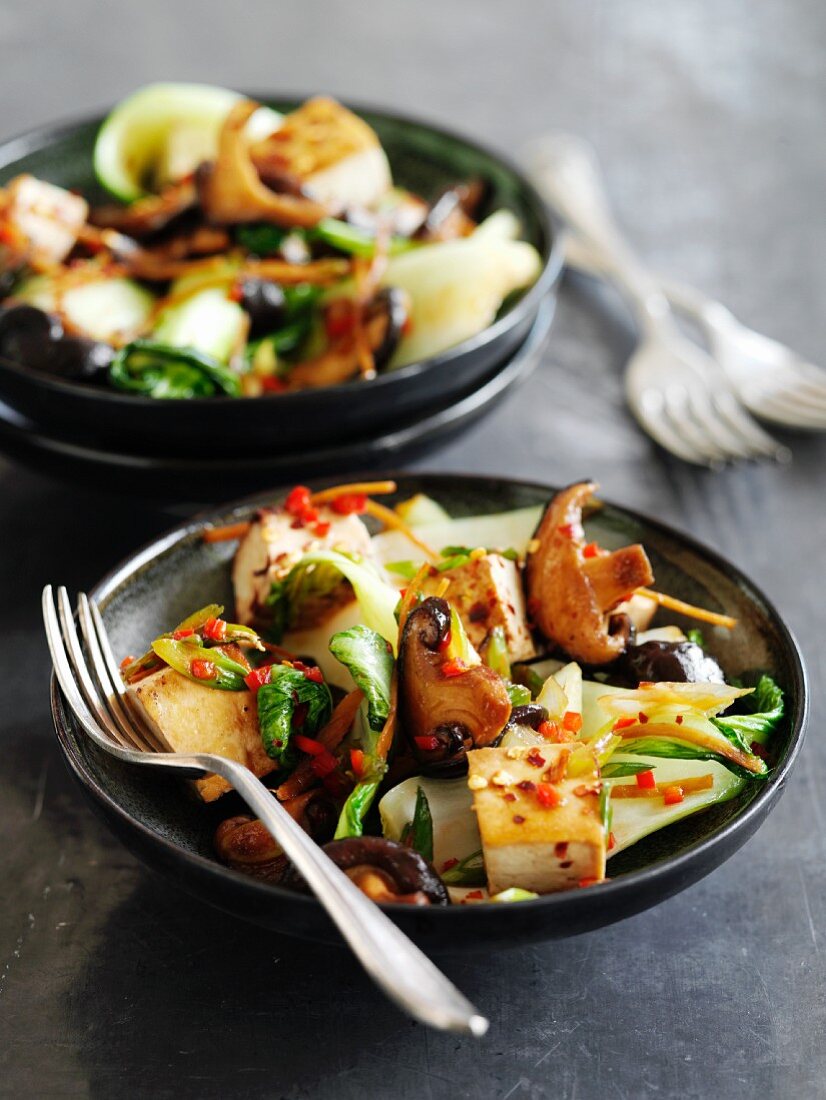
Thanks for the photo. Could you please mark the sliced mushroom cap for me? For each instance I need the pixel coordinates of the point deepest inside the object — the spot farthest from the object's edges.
(150, 215)
(445, 716)
(384, 319)
(231, 192)
(570, 595)
(384, 870)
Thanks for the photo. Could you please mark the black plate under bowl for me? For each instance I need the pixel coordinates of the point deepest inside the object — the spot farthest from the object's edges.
(163, 823)
(205, 480)
(424, 158)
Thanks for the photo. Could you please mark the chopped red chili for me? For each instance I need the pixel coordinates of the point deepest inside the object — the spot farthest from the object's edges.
(187, 632)
(642, 718)
(588, 881)
(315, 674)
(448, 863)
(215, 630)
(518, 819)
(548, 796)
(349, 503)
(357, 762)
(624, 723)
(679, 719)
(127, 661)
(453, 668)
(426, 744)
(549, 730)
(271, 383)
(323, 763)
(509, 796)
(526, 785)
(567, 529)
(258, 677)
(308, 745)
(591, 550)
(474, 895)
(203, 670)
(572, 721)
(445, 642)
(646, 780)
(612, 842)
(534, 758)
(673, 795)
(322, 528)
(298, 499)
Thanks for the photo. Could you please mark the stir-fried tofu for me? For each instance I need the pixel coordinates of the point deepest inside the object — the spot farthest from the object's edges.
(541, 829)
(48, 218)
(487, 592)
(195, 718)
(332, 153)
(270, 549)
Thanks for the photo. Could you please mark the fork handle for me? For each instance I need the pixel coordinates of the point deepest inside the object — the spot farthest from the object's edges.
(565, 170)
(392, 960)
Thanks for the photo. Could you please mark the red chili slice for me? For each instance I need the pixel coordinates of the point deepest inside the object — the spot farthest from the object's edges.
(203, 670)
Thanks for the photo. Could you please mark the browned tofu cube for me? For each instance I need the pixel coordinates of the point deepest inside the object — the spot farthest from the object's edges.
(270, 549)
(48, 217)
(487, 592)
(541, 829)
(196, 718)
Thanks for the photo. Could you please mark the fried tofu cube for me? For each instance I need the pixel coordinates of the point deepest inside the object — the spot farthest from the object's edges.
(196, 718)
(270, 549)
(335, 156)
(487, 592)
(49, 218)
(541, 829)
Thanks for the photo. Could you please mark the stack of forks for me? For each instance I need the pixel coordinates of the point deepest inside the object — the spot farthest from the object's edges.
(698, 404)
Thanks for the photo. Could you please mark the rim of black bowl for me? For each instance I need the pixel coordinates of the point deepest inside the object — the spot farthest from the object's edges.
(631, 882)
(552, 256)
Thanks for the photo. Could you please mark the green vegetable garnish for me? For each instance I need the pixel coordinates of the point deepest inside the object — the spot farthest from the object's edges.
(355, 241)
(766, 707)
(681, 750)
(260, 240)
(287, 690)
(418, 833)
(621, 768)
(369, 660)
(696, 636)
(191, 659)
(158, 370)
(469, 871)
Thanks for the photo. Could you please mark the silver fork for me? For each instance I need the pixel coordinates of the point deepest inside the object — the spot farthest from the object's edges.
(674, 389)
(106, 711)
(770, 379)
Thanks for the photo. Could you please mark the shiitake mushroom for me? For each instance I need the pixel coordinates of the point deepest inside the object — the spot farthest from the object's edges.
(674, 662)
(384, 870)
(445, 716)
(37, 340)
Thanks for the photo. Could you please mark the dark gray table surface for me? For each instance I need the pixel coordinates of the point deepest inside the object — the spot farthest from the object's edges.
(709, 119)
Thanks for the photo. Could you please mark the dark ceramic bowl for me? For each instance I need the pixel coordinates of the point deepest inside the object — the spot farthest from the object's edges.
(164, 824)
(425, 159)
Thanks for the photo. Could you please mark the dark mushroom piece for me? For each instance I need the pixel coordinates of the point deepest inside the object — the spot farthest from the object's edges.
(674, 662)
(384, 320)
(383, 870)
(244, 843)
(150, 215)
(266, 305)
(528, 714)
(444, 716)
(569, 595)
(35, 339)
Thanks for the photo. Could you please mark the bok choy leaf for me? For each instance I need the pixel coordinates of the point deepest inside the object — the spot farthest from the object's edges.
(290, 703)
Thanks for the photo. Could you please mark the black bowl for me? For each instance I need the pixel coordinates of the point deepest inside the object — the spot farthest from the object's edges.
(163, 823)
(424, 158)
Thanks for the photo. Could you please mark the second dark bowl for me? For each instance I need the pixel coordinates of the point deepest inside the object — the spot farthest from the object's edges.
(423, 158)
